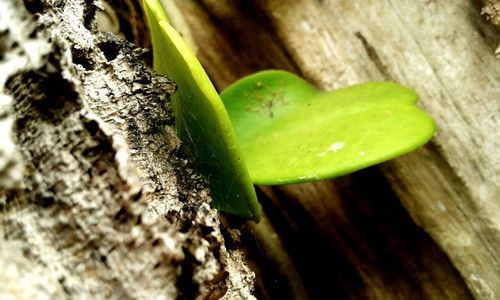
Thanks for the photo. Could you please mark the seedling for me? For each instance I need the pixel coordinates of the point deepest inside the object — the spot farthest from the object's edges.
(290, 132)
(202, 122)
(274, 128)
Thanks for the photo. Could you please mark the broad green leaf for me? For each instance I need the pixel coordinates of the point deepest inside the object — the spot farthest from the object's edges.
(201, 119)
(290, 132)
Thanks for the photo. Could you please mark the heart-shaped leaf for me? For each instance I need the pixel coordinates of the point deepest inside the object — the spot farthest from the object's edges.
(201, 119)
(290, 132)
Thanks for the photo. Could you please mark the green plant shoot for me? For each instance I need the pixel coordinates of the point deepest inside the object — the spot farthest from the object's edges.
(201, 120)
(290, 132)
(285, 130)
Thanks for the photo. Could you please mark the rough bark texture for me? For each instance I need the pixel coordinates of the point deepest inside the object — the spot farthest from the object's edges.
(97, 200)
(423, 226)
(491, 8)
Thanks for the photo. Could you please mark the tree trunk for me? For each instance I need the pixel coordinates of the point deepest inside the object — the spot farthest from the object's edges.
(97, 200)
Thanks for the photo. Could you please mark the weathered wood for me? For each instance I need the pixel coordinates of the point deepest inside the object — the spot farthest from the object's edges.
(97, 199)
(450, 188)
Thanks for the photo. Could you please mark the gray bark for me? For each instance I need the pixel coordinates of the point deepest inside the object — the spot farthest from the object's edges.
(97, 200)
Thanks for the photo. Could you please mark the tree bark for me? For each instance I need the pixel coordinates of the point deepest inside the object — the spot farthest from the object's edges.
(97, 199)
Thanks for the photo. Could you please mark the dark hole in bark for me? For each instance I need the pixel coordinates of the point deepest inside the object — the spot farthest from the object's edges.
(228, 239)
(34, 6)
(52, 97)
(4, 42)
(80, 58)
(104, 147)
(137, 196)
(61, 98)
(89, 16)
(184, 226)
(188, 289)
(206, 230)
(92, 127)
(34, 32)
(121, 215)
(46, 202)
(110, 50)
(104, 260)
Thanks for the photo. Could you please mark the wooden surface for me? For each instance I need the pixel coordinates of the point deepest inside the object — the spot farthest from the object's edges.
(423, 226)
(97, 198)
(437, 208)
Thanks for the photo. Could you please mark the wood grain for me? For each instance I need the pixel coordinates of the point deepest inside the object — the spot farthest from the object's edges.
(451, 187)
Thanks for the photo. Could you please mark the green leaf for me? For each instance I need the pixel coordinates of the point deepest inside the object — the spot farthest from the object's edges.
(201, 119)
(290, 132)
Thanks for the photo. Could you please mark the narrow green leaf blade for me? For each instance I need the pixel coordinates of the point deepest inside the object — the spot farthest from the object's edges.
(201, 120)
